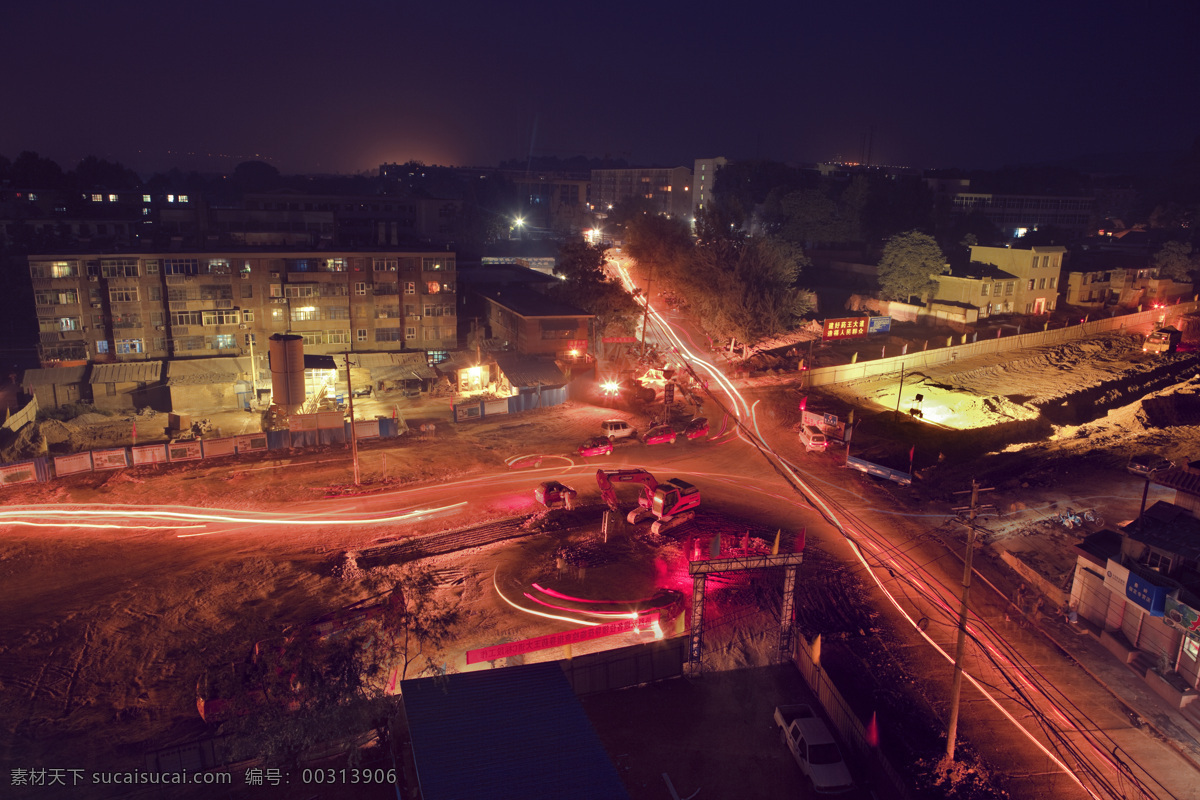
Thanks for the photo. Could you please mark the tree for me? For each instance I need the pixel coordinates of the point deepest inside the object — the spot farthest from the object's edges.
(585, 284)
(408, 635)
(748, 290)
(907, 265)
(1175, 261)
(659, 243)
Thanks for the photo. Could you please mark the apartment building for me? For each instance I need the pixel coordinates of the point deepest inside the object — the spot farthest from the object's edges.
(1014, 215)
(113, 307)
(669, 190)
(704, 174)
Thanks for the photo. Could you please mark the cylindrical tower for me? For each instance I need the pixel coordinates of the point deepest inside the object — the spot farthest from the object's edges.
(287, 371)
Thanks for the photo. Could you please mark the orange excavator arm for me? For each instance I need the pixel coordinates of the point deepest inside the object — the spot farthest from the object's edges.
(605, 478)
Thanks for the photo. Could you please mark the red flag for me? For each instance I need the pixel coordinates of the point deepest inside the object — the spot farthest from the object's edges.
(803, 402)
(911, 453)
(135, 431)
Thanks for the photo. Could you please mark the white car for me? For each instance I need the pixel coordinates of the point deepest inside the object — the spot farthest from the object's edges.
(617, 429)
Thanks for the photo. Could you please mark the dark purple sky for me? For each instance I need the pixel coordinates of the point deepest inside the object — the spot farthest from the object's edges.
(343, 87)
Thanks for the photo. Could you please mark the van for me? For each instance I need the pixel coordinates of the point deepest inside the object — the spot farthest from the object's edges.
(813, 439)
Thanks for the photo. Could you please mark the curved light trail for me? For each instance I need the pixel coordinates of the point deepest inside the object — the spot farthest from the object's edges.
(887, 556)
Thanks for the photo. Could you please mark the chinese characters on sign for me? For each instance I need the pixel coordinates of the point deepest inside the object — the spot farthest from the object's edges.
(845, 328)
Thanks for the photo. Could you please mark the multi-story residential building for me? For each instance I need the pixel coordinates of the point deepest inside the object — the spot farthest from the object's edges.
(669, 190)
(1004, 280)
(107, 307)
(1014, 214)
(704, 174)
(553, 201)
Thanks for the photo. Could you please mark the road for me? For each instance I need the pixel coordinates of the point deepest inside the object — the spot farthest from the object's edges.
(1014, 682)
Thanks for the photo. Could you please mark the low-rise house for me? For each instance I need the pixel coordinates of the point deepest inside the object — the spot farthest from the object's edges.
(55, 387)
(128, 386)
(1140, 588)
(1102, 279)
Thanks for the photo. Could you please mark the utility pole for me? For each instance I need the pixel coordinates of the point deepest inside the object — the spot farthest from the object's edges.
(353, 438)
(646, 313)
(901, 390)
(956, 690)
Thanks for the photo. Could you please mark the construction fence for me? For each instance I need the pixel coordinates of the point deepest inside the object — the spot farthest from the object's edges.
(310, 430)
(1139, 322)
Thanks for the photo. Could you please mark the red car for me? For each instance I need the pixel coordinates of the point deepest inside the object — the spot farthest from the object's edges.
(697, 428)
(595, 446)
(661, 434)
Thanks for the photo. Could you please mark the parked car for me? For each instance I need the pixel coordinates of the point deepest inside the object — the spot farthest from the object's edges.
(1148, 464)
(697, 428)
(595, 446)
(660, 434)
(814, 748)
(553, 494)
(615, 429)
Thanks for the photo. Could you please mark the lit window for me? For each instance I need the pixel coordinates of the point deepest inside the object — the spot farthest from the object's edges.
(360, 288)
(145, 198)
(170, 198)
(183, 198)
(97, 198)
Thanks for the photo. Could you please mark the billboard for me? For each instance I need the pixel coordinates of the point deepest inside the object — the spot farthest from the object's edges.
(879, 325)
(851, 328)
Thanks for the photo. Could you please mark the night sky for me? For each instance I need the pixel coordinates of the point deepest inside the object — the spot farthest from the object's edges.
(345, 86)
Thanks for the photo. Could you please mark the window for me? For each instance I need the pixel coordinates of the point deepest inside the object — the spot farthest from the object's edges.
(1009, 287)
(127, 346)
(336, 264)
(361, 334)
(156, 293)
(123, 294)
(185, 318)
(119, 267)
(247, 291)
(337, 337)
(152, 266)
(221, 317)
(410, 333)
(360, 288)
(1158, 561)
(387, 334)
(223, 341)
(1030, 286)
(181, 266)
(1029, 308)
(432, 287)
(145, 198)
(276, 290)
(56, 298)
(299, 290)
(337, 312)
(102, 347)
(410, 288)
(385, 264)
(984, 290)
(304, 314)
(433, 264)
(54, 269)
(1041, 283)
(1053, 281)
(97, 198)
(248, 315)
(218, 266)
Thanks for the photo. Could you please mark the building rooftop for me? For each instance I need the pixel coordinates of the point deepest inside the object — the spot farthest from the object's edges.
(506, 734)
(528, 303)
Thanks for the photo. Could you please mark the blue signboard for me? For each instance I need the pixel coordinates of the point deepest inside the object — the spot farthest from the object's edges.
(1145, 594)
(879, 325)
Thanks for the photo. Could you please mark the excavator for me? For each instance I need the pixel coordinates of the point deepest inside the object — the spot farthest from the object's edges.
(672, 502)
